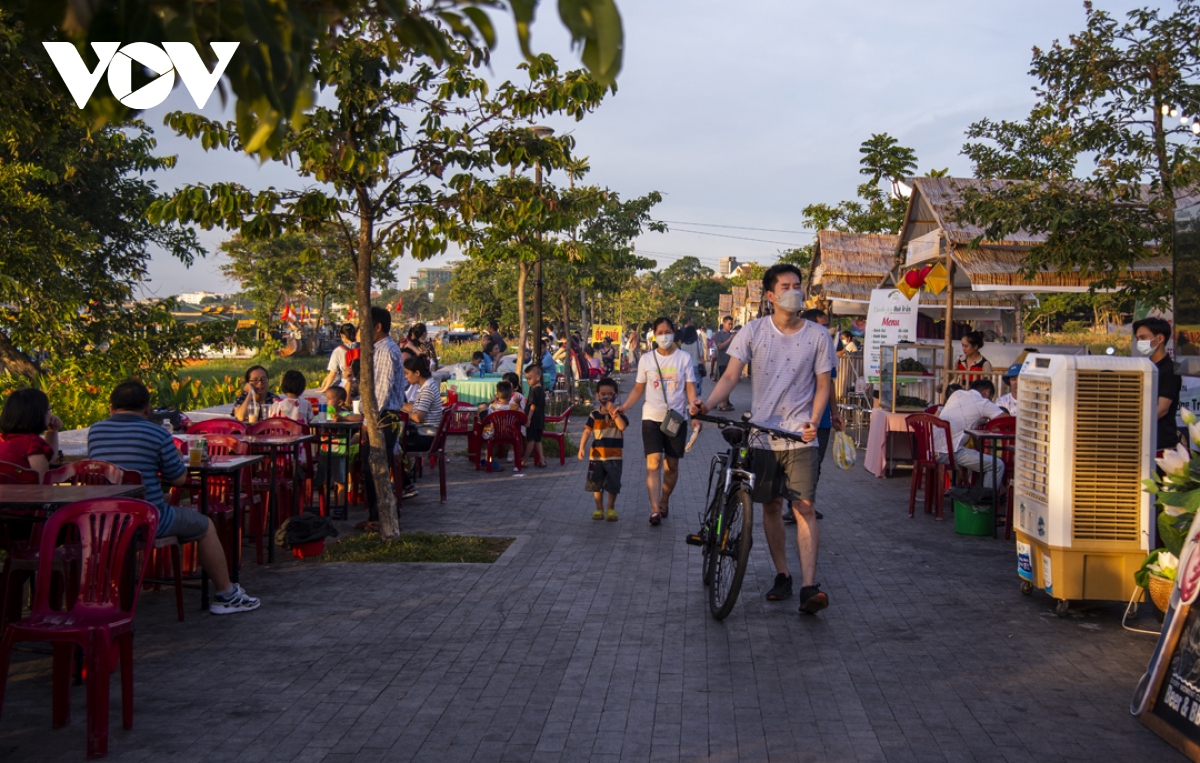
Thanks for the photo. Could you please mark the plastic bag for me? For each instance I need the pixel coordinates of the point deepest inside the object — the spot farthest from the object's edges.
(844, 452)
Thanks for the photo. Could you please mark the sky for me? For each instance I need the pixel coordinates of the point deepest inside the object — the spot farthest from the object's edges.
(740, 114)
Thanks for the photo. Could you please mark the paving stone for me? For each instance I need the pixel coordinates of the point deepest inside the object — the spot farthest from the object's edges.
(592, 641)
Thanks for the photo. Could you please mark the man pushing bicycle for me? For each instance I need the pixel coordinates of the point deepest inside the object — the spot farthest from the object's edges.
(792, 360)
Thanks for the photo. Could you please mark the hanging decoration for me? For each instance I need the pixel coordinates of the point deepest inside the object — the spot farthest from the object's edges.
(935, 280)
(905, 289)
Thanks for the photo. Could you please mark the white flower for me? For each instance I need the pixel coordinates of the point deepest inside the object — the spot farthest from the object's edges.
(1174, 463)
(1194, 432)
(1189, 418)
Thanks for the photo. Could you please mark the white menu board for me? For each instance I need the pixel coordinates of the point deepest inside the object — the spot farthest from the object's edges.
(891, 319)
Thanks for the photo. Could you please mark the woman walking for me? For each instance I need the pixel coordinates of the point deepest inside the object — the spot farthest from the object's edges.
(669, 373)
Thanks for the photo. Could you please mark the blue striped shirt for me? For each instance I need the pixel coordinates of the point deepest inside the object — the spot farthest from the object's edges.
(132, 442)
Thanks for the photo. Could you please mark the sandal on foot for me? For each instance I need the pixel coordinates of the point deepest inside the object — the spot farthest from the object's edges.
(597, 514)
(655, 518)
(664, 509)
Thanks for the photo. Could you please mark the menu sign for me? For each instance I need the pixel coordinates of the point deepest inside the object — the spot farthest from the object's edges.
(891, 319)
(1167, 699)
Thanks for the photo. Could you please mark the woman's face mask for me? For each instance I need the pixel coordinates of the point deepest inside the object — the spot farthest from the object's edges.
(664, 340)
(791, 301)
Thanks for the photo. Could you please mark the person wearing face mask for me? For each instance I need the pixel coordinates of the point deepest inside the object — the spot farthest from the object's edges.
(670, 374)
(793, 359)
(1151, 335)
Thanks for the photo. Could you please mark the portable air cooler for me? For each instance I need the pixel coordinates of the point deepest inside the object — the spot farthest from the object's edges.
(1085, 440)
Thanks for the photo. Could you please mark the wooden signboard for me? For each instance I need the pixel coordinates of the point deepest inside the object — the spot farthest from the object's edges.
(1167, 699)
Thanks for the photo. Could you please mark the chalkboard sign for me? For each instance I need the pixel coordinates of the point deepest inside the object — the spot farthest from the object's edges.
(1167, 699)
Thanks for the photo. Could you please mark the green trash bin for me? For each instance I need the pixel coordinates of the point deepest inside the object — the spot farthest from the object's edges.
(970, 519)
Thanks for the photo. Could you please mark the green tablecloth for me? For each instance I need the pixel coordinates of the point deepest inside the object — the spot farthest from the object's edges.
(481, 389)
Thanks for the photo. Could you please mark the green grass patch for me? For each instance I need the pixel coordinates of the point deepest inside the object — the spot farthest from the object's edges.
(312, 366)
(416, 547)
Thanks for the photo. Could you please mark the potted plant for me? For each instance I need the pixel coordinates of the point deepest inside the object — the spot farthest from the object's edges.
(1177, 490)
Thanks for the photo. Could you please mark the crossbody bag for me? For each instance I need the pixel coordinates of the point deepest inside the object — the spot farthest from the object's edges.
(672, 423)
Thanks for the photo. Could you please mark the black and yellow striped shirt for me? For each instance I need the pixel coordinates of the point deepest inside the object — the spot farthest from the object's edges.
(607, 439)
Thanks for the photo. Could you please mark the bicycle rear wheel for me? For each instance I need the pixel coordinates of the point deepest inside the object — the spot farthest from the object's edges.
(709, 530)
(730, 553)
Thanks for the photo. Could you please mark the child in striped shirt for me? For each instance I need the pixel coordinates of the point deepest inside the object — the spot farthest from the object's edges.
(606, 428)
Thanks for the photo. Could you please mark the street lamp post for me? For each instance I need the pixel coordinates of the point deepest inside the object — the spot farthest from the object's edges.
(539, 132)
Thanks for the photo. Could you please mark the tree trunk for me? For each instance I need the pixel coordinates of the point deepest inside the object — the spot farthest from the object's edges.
(568, 374)
(522, 277)
(15, 362)
(380, 460)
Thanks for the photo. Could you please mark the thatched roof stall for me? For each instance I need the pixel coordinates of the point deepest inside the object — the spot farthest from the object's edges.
(848, 266)
(931, 233)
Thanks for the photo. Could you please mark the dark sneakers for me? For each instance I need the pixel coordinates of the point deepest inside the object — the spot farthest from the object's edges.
(782, 589)
(812, 600)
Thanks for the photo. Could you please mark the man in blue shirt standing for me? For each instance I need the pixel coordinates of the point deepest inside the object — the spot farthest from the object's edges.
(129, 440)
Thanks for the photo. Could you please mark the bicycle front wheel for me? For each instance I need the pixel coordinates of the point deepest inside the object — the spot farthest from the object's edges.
(730, 553)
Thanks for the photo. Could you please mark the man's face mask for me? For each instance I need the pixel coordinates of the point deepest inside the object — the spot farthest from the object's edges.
(791, 301)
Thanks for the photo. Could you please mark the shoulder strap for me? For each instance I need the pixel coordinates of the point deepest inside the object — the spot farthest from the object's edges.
(662, 384)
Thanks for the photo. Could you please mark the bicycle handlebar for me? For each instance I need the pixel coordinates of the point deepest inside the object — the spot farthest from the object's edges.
(747, 427)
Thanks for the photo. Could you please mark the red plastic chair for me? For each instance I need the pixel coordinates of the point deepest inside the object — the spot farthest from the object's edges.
(460, 422)
(934, 409)
(280, 426)
(21, 554)
(927, 469)
(89, 473)
(220, 496)
(506, 428)
(559, 435)
(100, 620)
(11, 474)
(217, 426)
(436, 454)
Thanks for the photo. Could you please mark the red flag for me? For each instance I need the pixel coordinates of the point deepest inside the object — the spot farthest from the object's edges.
(399, 303)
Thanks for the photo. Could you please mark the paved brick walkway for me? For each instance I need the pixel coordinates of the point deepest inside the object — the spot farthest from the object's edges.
(592, 641)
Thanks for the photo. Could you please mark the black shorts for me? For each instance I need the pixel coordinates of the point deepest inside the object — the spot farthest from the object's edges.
(721, 370)
(603, 476)
(655, 441)
(533, 435)
(791, 474)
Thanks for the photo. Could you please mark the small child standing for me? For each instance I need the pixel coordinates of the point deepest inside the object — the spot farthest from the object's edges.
(606, 428)
(336, 404)
(535, 415)
(292, 406)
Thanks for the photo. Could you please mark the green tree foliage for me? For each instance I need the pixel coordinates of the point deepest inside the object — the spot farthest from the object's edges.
(1101, 96)
(296, 268)
(272, 73)
(76, 240)
(396, 160)
(874, 211)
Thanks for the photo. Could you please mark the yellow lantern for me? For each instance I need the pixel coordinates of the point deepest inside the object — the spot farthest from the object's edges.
(936, 281)
(906, 290)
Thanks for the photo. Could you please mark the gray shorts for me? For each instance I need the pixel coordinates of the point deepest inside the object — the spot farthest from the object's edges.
(791, 474)
(189, 526)
(603, 477)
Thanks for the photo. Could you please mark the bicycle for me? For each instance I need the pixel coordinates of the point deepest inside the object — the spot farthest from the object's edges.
(726, 525)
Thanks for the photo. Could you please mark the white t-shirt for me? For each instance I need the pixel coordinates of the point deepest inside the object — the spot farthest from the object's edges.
(677, 371)
(785, 375)
(965, 409)
(337, 362)
(1008, 403)
(296, 409)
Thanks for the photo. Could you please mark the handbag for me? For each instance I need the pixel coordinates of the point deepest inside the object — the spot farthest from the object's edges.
(672, 423)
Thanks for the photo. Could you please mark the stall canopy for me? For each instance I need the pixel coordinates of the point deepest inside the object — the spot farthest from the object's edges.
(930, 232)
(848, 266)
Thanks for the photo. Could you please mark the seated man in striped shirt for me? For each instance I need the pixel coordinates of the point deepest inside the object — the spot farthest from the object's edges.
(129, 440)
